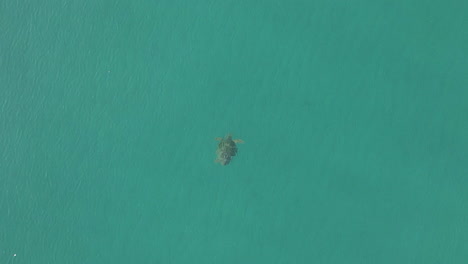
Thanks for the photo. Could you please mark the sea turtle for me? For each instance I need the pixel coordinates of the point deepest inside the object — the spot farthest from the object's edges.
(226, 149)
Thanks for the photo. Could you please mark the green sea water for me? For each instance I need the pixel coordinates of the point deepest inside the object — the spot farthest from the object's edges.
(353, 113)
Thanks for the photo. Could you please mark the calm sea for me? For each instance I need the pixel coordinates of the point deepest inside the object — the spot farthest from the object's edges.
(353, 113)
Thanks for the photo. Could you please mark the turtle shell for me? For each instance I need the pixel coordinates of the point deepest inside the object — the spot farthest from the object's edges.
(227, 149)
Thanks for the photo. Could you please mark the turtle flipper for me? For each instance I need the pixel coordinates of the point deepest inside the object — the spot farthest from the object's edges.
(238, 141)
(218, 139)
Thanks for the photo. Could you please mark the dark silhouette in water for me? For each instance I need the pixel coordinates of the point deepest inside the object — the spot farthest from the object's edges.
(227, 149)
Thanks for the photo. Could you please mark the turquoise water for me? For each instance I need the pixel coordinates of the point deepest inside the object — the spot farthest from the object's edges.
(354, 117)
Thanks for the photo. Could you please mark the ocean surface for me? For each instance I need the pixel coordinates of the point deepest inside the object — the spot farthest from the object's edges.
(354, 116)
